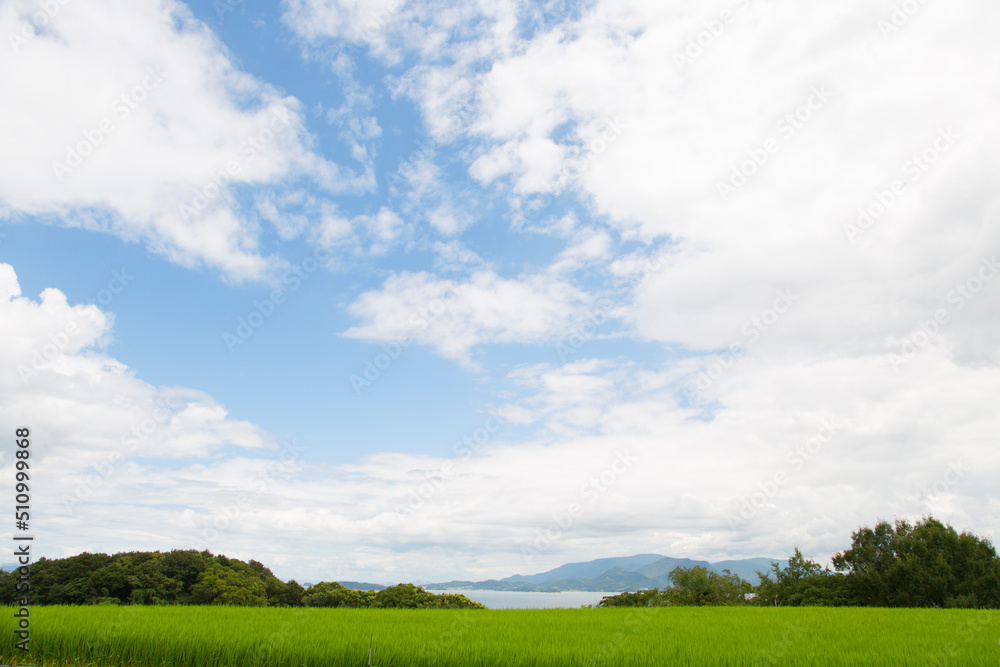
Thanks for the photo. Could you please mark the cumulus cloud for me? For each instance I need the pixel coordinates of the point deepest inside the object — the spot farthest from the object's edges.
(372, 234)
(455, 316)
(823, 179)
(770, 168)
(92, 418)
(130, 118)
(820, 369)
(759, 170)
(801, 454)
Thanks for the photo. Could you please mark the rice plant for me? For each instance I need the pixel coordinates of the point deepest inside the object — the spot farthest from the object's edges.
(206, 636)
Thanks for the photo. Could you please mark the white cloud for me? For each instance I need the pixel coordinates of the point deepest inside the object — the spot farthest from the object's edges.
(360, 21)
(428, 196)
(684, 480)
(627, 450)
(562, 226)
(447, 221)
(57, 377)
(129, 117)
(455, 256)
(372, 234)
(464, 35)
(333, 228)
(772, 424)
(597, 107)
(650, 141)
(617, 106)
(385, 225)
(588, 247)
(455, 316)
(108, 443)
(277, 209)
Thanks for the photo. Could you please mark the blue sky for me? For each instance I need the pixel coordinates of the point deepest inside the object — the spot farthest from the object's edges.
(469, 258)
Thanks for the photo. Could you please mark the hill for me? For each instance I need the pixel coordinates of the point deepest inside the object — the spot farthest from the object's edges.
(627, 573)
(359, 586)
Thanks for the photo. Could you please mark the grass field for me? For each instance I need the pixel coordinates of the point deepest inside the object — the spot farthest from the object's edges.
(266, 637)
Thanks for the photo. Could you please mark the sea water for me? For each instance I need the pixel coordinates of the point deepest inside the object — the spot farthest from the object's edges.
(531, 600)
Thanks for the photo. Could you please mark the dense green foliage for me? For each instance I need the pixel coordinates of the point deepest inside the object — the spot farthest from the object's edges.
(928, 564)
(193, 577)
(925, 565)
(403, 596)
(802, 583)
(219, 636)
(692, 586)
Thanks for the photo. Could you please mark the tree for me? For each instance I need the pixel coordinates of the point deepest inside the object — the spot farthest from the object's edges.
(700, 586)
(152, 585)
(224, 585)
(185, 566)
(66, 580)
(801, 582)
(404, 596)
(925, 565)
(263, 572)
(281, 594)
(456, 601)
(112, 580)
(408, 596)
(331, 594)
(692, 586)
(177, 577)
(648, 598)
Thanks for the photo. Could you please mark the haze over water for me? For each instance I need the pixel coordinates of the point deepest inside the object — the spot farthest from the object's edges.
(532, 599)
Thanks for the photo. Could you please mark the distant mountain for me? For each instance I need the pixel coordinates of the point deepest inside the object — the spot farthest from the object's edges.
(488, 585)
(747, 567)
(357, 586)
(619, 579)
(353, 585)
(593, 568)
(629, 573)
(659, 569)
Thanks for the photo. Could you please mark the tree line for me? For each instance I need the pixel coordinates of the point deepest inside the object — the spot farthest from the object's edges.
(197, 577)
(928, 564)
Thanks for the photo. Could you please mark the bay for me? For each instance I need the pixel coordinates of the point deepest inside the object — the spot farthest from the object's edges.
(531, 599)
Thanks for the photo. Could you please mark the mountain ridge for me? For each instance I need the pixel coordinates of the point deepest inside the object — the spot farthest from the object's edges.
(615, 574)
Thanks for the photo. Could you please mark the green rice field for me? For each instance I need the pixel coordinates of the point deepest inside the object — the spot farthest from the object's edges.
(282, 637)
